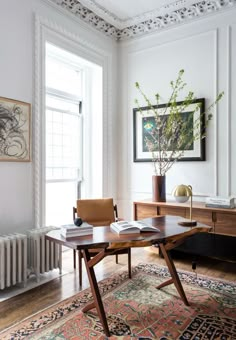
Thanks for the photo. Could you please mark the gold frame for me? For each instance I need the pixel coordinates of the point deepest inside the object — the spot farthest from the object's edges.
(15, 130)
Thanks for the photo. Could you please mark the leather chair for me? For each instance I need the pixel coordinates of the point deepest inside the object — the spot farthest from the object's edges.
(98, 212)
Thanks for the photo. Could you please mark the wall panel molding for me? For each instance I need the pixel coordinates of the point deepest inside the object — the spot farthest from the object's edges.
(228, 108)
(216, 134)
(213, 35)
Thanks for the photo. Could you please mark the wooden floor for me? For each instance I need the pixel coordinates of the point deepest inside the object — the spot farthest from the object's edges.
(17, 308)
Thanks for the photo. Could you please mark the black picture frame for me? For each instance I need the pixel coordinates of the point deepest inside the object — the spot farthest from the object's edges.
(140, 152)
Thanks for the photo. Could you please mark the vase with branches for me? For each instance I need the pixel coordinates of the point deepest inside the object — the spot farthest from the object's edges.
(172, 134)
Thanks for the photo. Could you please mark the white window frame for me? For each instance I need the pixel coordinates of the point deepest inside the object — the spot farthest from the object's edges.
(45, 30)
(73, 98)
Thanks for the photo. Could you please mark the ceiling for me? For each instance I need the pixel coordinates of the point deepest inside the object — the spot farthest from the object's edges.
(123, 19)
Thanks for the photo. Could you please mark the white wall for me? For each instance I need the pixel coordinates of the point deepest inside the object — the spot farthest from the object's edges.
(206, 50)
(17, 63)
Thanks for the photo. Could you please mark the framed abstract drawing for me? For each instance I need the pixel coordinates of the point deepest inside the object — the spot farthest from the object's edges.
(145, 122)
(15, 122)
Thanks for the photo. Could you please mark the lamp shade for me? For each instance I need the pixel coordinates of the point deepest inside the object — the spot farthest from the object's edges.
(182, 193)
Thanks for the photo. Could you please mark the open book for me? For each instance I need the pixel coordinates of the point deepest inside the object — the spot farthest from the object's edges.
(125, 227)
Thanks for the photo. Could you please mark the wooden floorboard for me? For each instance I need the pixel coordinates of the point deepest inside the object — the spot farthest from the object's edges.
(18, 308)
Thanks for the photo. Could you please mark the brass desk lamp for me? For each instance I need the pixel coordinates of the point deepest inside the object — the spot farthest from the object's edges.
(182, 193)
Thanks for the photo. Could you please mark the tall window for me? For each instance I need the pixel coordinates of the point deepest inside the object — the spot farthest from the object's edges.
(63, 135)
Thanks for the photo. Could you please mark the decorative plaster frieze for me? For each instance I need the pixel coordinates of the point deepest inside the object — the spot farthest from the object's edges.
(122, 23)
(76, 8)
(173, 14)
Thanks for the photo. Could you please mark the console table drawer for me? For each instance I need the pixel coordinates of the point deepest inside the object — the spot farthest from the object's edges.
(145, 211)
(225, 224)
(176, 211)
(203, 216)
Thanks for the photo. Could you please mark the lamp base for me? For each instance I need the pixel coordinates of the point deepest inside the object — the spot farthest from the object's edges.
(187, 223)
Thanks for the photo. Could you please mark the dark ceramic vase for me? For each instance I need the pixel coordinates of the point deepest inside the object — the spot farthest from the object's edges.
(158, 188)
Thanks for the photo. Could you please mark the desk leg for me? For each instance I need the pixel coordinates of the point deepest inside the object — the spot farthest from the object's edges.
(97, 300)
(175, 278)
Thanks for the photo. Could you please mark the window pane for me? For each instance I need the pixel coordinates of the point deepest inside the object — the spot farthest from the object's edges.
(60, 198)
(63, 144)
(61, 77)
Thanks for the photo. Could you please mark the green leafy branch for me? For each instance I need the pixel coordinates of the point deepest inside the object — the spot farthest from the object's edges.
(172, 133)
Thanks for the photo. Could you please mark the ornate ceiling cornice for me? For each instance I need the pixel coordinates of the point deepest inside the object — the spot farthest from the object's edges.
(122, 23)
(173, 14)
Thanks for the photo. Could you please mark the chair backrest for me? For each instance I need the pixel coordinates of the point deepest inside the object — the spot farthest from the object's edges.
(98, 212)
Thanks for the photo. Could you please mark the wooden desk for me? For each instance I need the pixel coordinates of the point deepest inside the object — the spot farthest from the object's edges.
(171, 234)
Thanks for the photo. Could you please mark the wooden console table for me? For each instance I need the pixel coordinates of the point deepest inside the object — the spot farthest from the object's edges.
(220, 243)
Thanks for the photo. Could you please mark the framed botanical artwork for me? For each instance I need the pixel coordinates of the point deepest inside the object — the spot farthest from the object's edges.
(15, 120)
(145, 122)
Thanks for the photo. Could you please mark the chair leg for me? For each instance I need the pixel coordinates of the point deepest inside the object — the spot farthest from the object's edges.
(116, 258)
(74, 258)
(129, 263)
(80, 266)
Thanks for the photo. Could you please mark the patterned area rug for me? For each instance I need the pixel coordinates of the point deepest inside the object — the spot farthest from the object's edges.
(137, 310)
